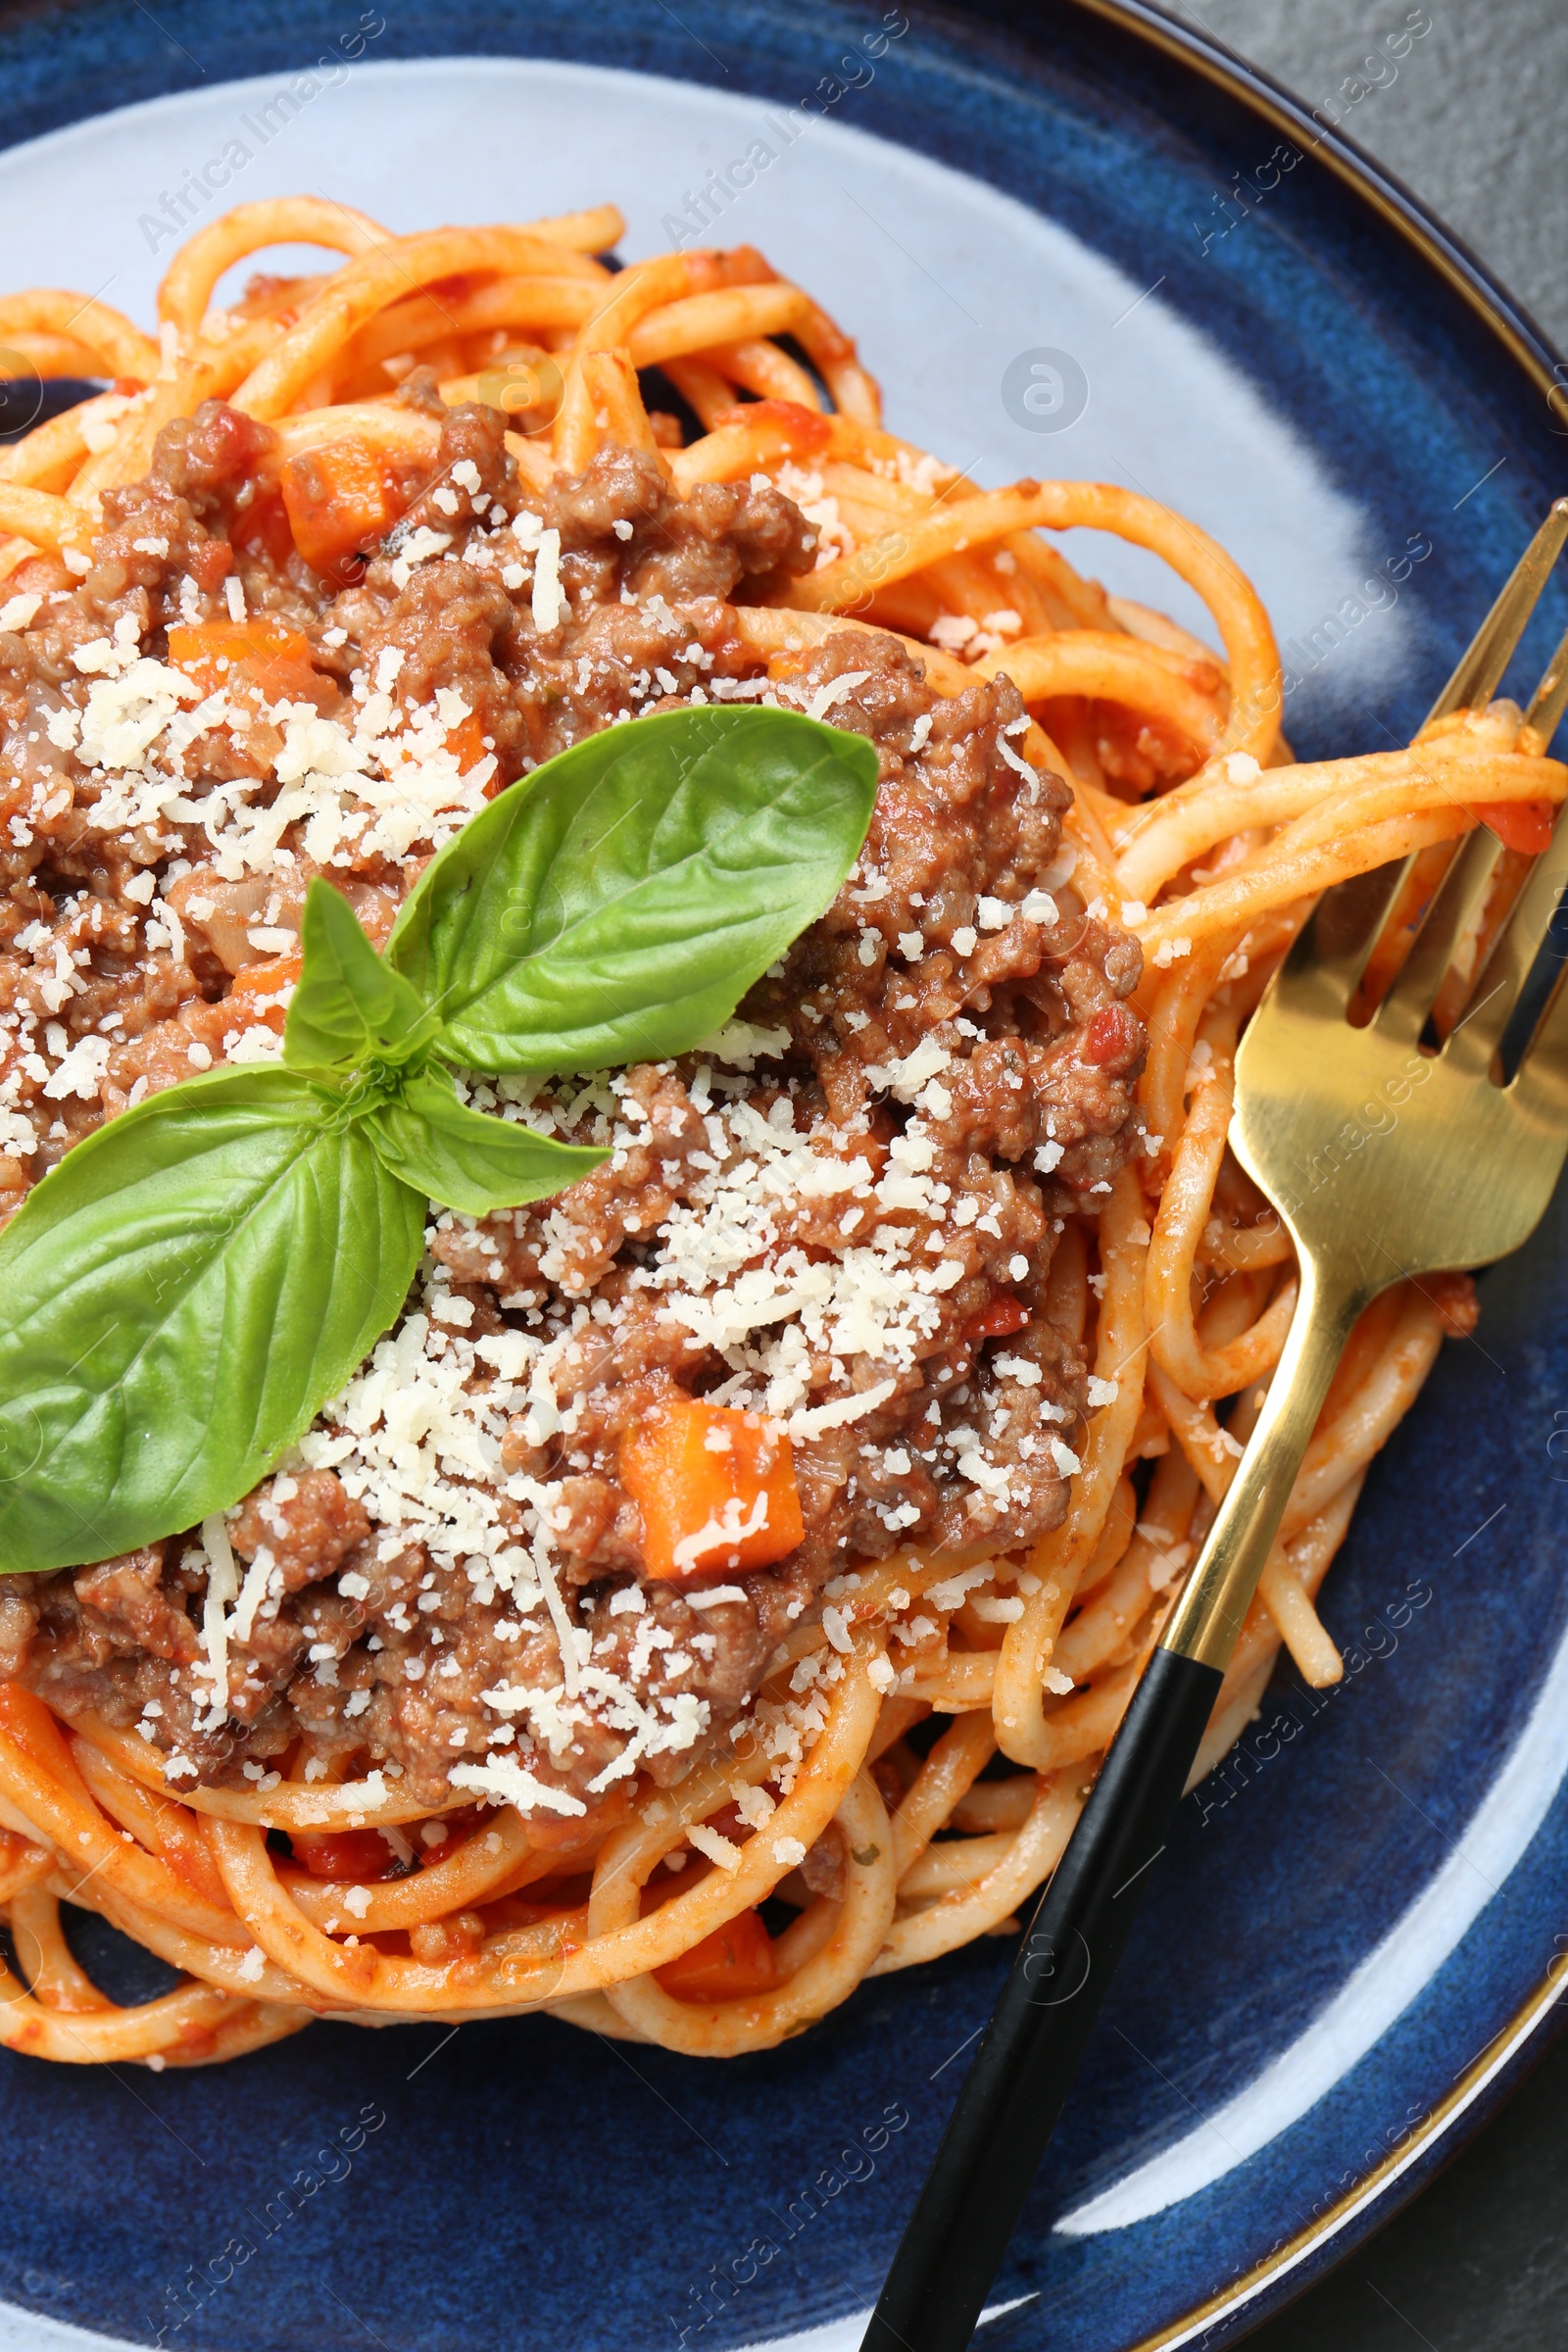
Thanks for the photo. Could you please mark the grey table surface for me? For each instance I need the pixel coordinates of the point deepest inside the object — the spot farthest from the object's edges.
(1474, 125)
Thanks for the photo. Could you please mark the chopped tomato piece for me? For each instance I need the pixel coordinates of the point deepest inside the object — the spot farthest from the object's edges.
(1521, 824)
(1114, 1038)
(340, 500)
(737, 1959)
(728, 1822)
(998, 1320)
(790, 430)
(715, 1489)
(210, 563)
(233, 443)
(263, 653)
(356, 1854)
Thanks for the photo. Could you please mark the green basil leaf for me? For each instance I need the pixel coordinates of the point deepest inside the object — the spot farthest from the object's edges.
(179, 1298)
(350, 1006)
(618, 905)
(465, 1158)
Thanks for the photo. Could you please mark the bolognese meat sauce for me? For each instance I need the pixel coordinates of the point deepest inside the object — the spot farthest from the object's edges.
(833, 1224)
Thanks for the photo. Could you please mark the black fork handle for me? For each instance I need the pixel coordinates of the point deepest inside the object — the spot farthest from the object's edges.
(1016, 2088)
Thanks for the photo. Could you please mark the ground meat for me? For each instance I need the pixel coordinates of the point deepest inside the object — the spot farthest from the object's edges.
(536, 691)
(398, 1669)
(124, 1607)
(306, 1524)
(910, 950)
(939, 1073)
(19, 1619)
(991, 1221)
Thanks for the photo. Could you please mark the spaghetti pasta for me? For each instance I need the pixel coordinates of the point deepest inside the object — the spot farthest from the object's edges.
(910, 1751)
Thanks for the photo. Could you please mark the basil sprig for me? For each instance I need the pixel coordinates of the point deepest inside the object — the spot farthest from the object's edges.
(183, 1293)
(350, 1009)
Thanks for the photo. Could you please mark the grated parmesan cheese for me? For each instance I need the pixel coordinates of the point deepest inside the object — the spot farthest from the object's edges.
(222, 1584)
(549, 596)
(712, 1842)
(507, 1782)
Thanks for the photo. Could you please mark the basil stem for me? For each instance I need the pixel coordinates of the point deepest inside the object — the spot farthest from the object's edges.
(356, 1019)
(350, 1006)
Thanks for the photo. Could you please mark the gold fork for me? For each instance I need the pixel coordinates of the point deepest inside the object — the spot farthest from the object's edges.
(1465, 1173)
(1460, 1177)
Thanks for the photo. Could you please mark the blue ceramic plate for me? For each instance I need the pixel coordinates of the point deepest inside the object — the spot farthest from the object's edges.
(1107, 255)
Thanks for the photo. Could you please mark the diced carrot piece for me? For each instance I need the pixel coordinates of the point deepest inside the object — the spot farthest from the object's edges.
(263, 653)
(715, 1489)
(266, 979)
(783, 667)
(256, 996)
(261, 528)
(465, 742)
(1521, 824)
(356, 1854)
(999, 1319)
(340, 500)
(736, 1960)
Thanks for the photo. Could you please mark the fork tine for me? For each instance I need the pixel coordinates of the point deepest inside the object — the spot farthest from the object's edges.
(1325, 965)
(1547, 704)
(1540, 1084)
(1401, 1016)
(1471, 1046)
(1329, 957)
(1481, 667)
